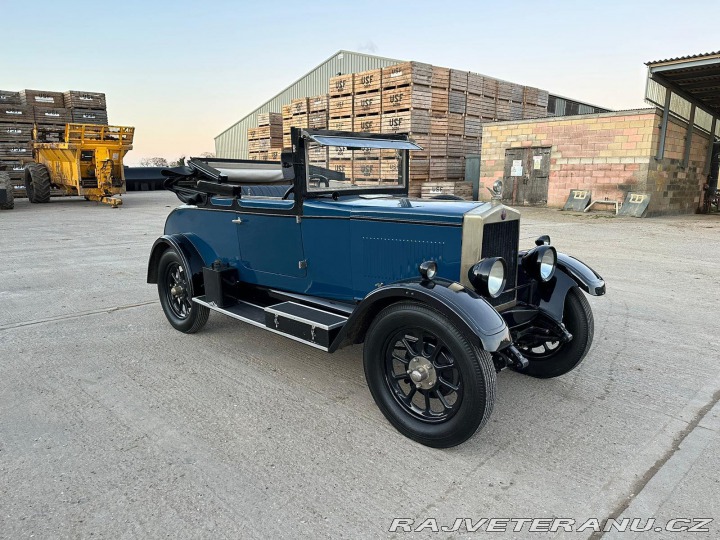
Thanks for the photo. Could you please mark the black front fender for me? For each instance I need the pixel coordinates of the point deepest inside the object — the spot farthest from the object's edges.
(585, 277)
(570, 272)
(471, 313)
(190, 256)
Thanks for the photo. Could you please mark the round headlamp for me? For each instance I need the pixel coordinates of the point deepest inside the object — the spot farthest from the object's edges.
(428, 269)
(540, 262)
(488, 276)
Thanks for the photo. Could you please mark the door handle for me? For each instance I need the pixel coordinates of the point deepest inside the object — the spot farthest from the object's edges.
(238, 221)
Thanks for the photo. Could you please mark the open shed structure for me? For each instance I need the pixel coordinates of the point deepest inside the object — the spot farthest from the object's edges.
(687, 88)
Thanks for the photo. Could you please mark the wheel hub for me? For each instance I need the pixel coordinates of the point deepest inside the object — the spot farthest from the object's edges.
(177, 291)
(422, 373)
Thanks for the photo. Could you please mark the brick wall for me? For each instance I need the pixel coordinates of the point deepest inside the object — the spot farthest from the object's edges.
(609, 154)
(675, 189)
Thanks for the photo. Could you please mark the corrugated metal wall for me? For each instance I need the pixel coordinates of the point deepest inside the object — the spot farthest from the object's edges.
(232, 143)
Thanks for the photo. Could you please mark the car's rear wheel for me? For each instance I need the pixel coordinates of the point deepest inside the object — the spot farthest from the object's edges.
(426, 377)
(176, 292)
(552, 358)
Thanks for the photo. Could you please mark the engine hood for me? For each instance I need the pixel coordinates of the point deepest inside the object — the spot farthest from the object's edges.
(394, 209)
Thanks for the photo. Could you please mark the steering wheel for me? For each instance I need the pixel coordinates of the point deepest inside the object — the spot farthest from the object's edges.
(288, 192)
(320, 179)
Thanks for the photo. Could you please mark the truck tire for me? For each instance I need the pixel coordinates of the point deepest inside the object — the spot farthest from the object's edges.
(37, 183)
(427, 378)
(6, 184)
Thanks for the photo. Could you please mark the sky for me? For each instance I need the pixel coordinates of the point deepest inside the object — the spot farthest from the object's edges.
(182, 72)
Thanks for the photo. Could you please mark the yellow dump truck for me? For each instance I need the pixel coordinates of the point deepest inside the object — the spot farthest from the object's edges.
(89, 163)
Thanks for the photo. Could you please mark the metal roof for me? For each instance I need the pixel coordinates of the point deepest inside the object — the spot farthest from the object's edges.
(232, 143)
(695, 78)
(677, 58)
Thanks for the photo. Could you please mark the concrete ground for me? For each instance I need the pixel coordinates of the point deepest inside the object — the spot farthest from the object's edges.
(114, 425)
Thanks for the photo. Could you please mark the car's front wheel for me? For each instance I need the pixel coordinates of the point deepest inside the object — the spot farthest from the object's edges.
(553, 358)
(426, 377)
(176, 292)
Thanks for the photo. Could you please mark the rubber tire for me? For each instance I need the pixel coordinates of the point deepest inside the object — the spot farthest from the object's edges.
(476, 366)
(6, 183)
(198, 316)
(578, 319)
(37, 183)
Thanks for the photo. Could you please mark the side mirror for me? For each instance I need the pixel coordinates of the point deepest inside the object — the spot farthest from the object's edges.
(288, 171)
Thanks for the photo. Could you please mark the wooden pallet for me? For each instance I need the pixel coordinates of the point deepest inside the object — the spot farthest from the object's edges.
(458, 80)
(422, 140)
(15, 132)
(42, 98)
(341, 124)
(413, 121)
(18, 114)
(318, 120)
(431, 189)
(266, 132)
(86, 116)
(341, 85)
(440, 100)
(480, 106)
(367, 81)
(490, 87)
(341, 106)
(455, 146)
(85, 100)
(456, 101)
(440, 78)
(52, 115)
(475, 84)
(368, 124)
(319, 103)
(471, 145)
(15, 151)
(407, 73)
(368, 103)
(473, 126)
(403, 98)
(8, 97)
(270, 119)
(437, 146)
(299, 106)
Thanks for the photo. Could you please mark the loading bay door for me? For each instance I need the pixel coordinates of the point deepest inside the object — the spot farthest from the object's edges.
(525, 180)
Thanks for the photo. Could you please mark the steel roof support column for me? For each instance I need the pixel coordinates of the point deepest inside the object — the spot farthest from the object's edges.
(663, 127)
(688, 137)
(708, 159)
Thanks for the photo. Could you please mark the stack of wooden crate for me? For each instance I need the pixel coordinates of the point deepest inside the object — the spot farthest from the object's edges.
(443, 110)
(46, 113)
(265, 141)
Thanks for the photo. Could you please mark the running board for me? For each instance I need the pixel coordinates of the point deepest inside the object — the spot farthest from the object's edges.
(309, 325)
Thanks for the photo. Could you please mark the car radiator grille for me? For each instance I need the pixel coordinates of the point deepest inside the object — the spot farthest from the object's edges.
(501, 240)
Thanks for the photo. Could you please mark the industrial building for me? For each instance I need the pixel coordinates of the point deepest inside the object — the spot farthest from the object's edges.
(233, 142)
(653, 161)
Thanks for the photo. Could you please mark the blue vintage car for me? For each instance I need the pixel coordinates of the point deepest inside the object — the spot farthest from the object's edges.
(326, 248)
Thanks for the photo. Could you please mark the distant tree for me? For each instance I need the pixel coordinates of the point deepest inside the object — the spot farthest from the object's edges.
(154, 162)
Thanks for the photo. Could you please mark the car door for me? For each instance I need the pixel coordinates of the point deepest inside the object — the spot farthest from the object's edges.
(270, 240)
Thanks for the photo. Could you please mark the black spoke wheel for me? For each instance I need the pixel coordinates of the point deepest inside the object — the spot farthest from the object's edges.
(176, 291)
(426, 377)
(553, 358)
